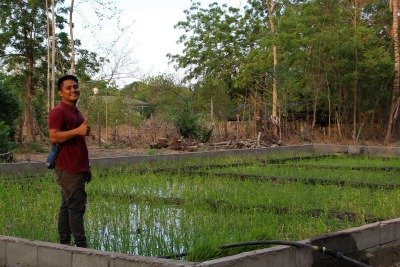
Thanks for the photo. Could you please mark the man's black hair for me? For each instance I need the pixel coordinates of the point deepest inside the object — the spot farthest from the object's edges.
(64, 78)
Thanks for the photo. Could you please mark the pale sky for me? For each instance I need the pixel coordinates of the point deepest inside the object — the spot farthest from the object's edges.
(150, 35)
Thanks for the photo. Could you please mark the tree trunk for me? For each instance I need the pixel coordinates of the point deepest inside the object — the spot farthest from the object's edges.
(71, 33)
(329, 106)
(315, 105)
(270, 7)
(356, 97)
(48, 87)
(270, 4)
(30, 127)
(53, 52)
(396, 82)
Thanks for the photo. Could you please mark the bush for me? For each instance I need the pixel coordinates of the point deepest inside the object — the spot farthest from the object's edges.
(10, 104)
(189, 126)
(5, 144)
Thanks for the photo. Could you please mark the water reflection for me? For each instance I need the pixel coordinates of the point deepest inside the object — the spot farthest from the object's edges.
(139, 229)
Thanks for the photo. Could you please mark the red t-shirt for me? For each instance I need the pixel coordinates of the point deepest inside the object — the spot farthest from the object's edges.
(73, 154)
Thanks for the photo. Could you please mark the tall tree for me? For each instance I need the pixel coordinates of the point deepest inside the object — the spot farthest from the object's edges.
(23, 33)
(71, 37)
(271, 5)
(395, 102)
(53, 53)
(212, 42)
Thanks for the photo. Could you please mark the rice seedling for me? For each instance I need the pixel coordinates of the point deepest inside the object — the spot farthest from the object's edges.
(282, 171)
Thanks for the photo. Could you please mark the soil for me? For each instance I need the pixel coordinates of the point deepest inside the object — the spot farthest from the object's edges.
(94, 152)
(102, 152)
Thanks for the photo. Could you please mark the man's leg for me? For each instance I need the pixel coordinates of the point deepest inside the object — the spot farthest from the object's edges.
(64, 231)
(73, 187)
(77, 208)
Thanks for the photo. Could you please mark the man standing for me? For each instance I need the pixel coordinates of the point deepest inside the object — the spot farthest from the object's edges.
(68, 129)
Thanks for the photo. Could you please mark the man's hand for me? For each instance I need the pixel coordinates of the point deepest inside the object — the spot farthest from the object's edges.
(57, 136)
(84, 129)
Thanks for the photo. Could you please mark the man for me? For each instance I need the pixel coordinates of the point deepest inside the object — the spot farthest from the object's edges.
(68, 129)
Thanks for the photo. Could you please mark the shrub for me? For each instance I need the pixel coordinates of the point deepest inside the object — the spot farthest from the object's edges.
(190, 126)
(10, 104)
(5, 144)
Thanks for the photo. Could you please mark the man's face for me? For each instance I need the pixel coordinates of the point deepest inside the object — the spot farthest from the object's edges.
(69, 91)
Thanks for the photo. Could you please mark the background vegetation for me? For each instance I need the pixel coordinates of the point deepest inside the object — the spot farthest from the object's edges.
(323, 67)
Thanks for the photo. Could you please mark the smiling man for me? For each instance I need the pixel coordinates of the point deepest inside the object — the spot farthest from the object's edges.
(68, 129)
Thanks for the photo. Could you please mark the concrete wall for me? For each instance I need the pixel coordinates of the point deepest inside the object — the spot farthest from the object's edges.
(319, 149)
(375, 244)
(21, 252)
(39, 167)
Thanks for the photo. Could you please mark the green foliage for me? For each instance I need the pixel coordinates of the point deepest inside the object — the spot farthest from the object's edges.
(334, 59)
(10, 105)
(215, 39)
(163, 95)
(23, 54)
(40, 111)
(217, 93)
(5, 144)
(332, 56)
(31, 147)
(190, 126)
(87, 65)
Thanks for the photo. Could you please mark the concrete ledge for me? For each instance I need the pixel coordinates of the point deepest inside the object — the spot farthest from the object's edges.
(326, 149)
(373, 244)
(39, 167)
(35, 168)
(23, 252)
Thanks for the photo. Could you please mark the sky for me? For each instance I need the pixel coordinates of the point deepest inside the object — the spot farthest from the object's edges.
(149, 37)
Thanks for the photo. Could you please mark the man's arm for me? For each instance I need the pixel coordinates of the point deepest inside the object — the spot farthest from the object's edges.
(57, 136)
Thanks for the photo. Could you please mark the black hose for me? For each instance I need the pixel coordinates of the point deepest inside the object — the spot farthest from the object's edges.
(323, 250)
(174, 256)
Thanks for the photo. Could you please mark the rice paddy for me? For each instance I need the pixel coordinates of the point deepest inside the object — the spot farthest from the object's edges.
(192, 207)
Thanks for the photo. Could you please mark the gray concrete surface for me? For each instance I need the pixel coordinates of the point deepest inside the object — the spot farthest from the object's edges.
(39, 167)
(318, 149)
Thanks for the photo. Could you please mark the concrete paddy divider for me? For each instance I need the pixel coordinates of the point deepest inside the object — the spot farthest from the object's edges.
(22, 252)
(377, 244)
(39, 167)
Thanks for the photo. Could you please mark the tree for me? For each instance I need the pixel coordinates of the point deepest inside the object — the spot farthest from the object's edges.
(23, 33)
(212, 42)
(113, 58)
(165, 95)
(395, 102)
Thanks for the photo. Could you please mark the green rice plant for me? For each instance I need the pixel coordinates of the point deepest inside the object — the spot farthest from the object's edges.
(349, 161)
(28, 202)
(303, 172)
